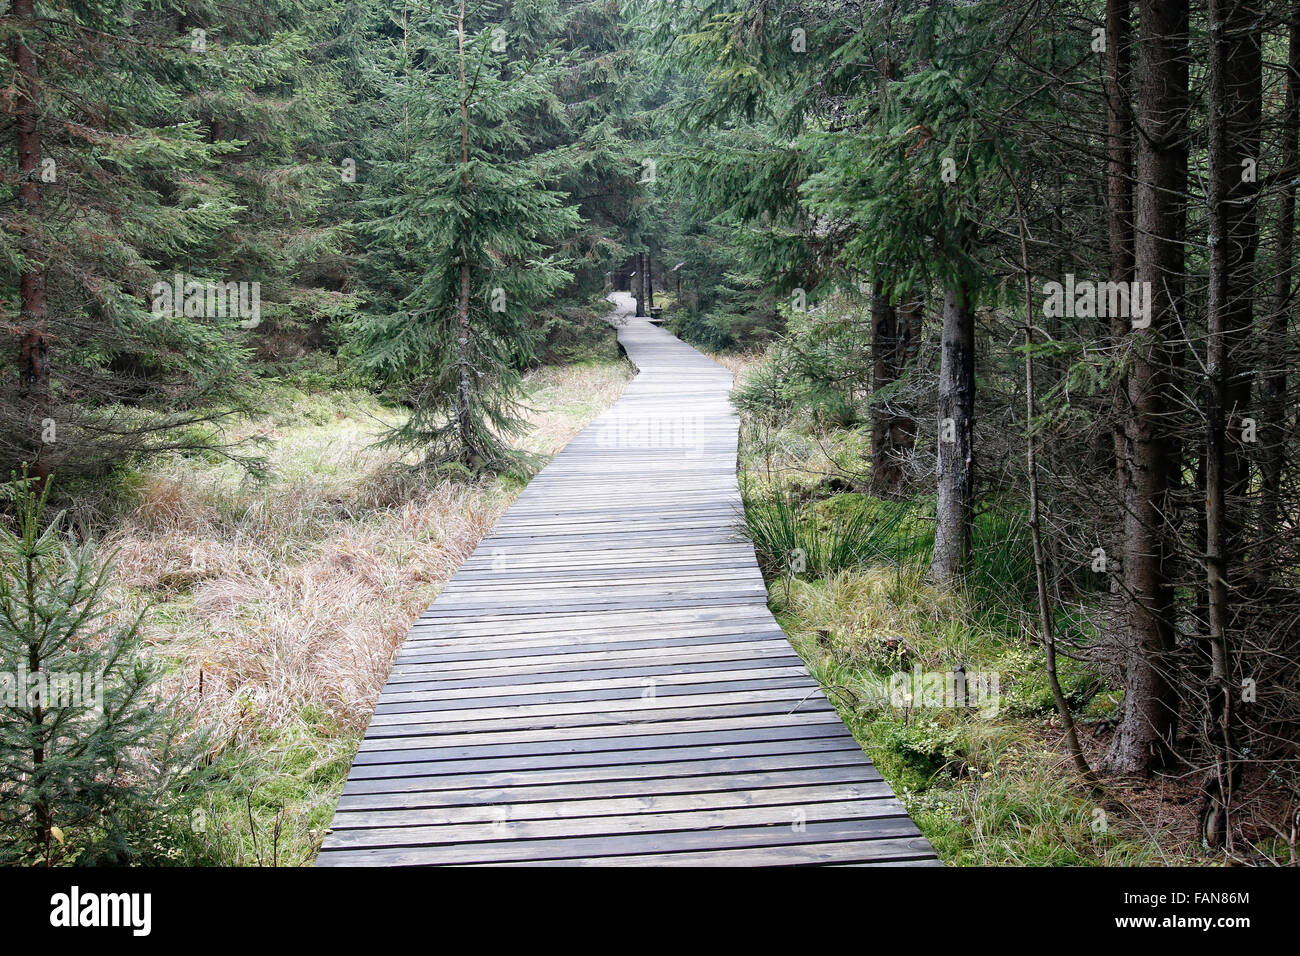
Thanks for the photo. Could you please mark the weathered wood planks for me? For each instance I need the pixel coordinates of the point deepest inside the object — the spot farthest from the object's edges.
(601, 681)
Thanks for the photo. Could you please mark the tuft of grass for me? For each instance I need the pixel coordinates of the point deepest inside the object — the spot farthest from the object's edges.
(985, 788)
(1029, 814)
(790, 536)
(742, 365)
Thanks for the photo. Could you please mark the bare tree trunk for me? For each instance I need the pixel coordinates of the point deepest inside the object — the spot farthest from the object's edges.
(911, 317)
(1145, 734)
(638, 284)
(895, 339)
(1233, 133)
(1119, 178)
(956, 459)
(465, 383)
(1273, 420)
(1046, 623)
(33, 343)
(464, 388)
(1119, 228)
(1217, 790)
(886, 473)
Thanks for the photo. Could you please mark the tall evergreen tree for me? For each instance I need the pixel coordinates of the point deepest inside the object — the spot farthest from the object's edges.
(110, 186)
(463, 215)
(82, 721)
(268, 88)
(154, 142)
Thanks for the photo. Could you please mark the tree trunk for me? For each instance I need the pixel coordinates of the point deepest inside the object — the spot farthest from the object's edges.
(33, 343)
(886, 470)
(1046, 616)
(1119, 228)
(1242, 58)
(1275, 411)
(1145, 734)
(465, 382)
(1119, 179)
(639, 284)
(895, 341)
(1233, 133)
(956, 462)
(911, 315)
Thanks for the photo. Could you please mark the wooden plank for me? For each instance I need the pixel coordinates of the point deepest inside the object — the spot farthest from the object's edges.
(602, 681)
(505, 815)
(623, 718)
(507, 680)
(751, 727)
(588, 788)
(606, 849)
(731, 650)
(650, 827)
(589, 748)
(618, 687)
(905, 850)
(476, 773)
(544, 644)
(434, 712)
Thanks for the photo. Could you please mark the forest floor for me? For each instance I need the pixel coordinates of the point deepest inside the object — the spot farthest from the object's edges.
(277, 606)
(987, 786)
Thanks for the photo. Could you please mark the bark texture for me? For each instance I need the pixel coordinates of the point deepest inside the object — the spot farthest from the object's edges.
(1148, 461)
(956, 458)
(33, 339)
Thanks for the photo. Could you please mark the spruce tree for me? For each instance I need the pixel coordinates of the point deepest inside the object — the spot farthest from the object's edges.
(84, 736)
(112, 190)
(269, 91)
(154, 142)
(462, 217)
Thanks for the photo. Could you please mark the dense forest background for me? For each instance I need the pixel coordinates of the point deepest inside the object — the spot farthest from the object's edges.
(1009, 288)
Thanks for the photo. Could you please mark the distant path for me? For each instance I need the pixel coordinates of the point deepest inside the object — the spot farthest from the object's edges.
(602, 683)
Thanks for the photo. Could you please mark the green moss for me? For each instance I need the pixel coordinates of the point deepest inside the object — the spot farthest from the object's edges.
(1028, 692)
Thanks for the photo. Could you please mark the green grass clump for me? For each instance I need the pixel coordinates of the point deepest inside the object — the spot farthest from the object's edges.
(273, 795)
(790, 536)
(1026, 816)
(986, 787)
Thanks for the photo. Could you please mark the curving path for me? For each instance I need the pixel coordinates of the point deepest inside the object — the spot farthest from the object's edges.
(601, 681)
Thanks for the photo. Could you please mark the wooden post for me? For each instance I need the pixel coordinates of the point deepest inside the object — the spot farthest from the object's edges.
(640, 284)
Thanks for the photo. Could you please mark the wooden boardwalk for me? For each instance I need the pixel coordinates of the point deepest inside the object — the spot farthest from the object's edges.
(602, 683)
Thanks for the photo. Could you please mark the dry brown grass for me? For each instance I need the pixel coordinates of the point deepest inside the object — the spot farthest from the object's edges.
(740, 364)
(285, 602)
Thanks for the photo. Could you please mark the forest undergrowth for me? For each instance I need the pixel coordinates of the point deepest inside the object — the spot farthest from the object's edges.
(988, 784)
